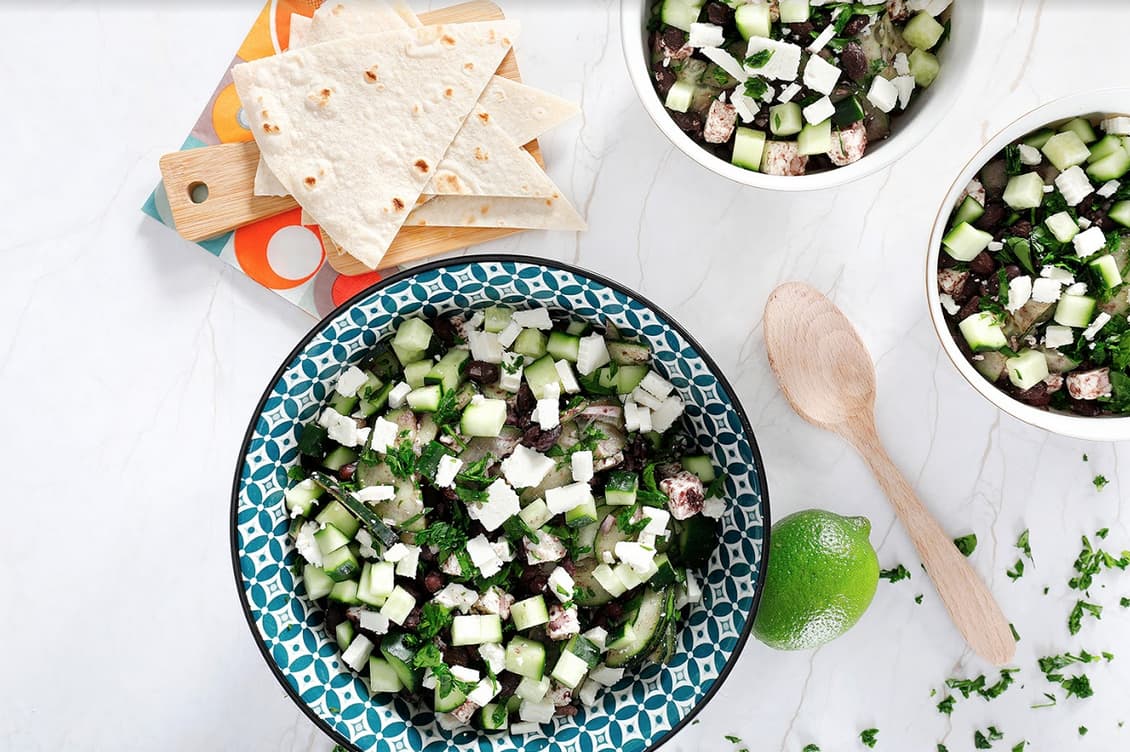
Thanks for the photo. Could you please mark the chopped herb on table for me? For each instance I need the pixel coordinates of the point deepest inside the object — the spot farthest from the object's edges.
(942, 748)
(918, 599)
(1023, 544)
(1019, 746)
(733, 739)
(1100, 482)
(869, 736)
(1082, 731)
(966, 544)
(894, 575)
(1015, 634)
(1017, 570)
(985, 740)
(1049, 704)
(946, 705)
(810, 748)
(1075, 618)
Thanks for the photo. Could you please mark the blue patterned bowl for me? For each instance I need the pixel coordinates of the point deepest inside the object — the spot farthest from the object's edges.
(639, 713)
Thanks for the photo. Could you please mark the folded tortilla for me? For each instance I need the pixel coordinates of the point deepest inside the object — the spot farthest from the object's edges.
(554, 213)
(355, 128)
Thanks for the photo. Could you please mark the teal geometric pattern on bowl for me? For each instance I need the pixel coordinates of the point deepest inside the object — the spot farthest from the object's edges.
(641, 711)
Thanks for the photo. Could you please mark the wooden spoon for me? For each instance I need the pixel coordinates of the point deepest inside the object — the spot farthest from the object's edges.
(827, 376)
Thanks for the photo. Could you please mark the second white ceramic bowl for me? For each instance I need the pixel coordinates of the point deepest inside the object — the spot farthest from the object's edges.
(1088, 104)
(957, 59)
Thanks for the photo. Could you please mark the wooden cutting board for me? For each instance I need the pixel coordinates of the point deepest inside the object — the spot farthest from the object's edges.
(228, 173)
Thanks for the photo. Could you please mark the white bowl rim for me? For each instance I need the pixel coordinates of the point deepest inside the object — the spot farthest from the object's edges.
(1101, 428)
(913, 131)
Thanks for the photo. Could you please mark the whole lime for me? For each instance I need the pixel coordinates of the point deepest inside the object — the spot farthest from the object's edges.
(822, 575)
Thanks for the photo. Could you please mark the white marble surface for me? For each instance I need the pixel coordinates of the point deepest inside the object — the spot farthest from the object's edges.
(132, 362)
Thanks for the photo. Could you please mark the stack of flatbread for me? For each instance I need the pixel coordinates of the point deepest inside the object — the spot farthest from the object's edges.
(372, 121)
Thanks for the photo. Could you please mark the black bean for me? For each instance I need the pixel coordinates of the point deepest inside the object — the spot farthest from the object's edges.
(664, 79)
(674, 39)
(995, 214)
(482, 372)
(1037, 396)
(525, 401)
(801, 32)
(690, 122)
(854, 61)
(444, 329)
(456, 655)
(1022, 228)
(972, 306)
(413, 619)
(983, 264)
(433, 582)
(855, 25)
(1012, 271)
(719, 14)
(346, 472)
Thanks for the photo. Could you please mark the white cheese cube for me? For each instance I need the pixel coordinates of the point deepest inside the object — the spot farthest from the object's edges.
(536, 712)
(592, 353)
(407, 566)
(1056, 336)
(446, 471)
(1118, 125)
(366, 544)
(532, 318)
(524, 727)
(819, 111)
(395, 552)
(483, 555)
(606, 676)
(450, 721)
(1074, 185)
(902, 64)
(429, 681)
(1046, 290)
(636, 555)
(1089, 242)
(726, 62)
(507, 336)
(358, 652)
(715, 508)
(510, 372)
(1079, 288)
(341, 428)
(494, 656)
(949, 304)
(597, 636)
(546, 413)
(374, 621)
(883, 94)
(564, 498)
(568, 378)
(475, 321)
(694, 591)
(588, 692)
(397, 395)
(706, 35)
(501, 504)
(666, 415)
(456, 596)
(350, 380)
(561, 584)
(822, 39)
(548, 548)
(1084, 223)
(1100, 321)
(656, 385)
(820, 75)
(485, 346)
(525, 468)
(383, 435)
(783, 64)
(646, 398)
(485, 691)
(658, 519)
(1019, 293)
(1108, 189)
(375, 493)
(746, 107)
(503, 550)
(1030, 155)
(307, 545)
(1058, 274)
(905, 86)
(463, 673)
(789, 92)
(581, 465)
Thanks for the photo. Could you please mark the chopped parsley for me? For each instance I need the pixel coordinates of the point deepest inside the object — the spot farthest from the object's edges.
(434, 618)
(448, 410)
(444, 536)
(1023, 544)
(869, 736)
(1049, 704)
(401, 459)
(296, 473)
(1075, 618)
(1015, 634)
(1091, 561)
(966, 544)
(1124, 602)
(894, 575)
(1082, 731)
(1100, 482)
(1019, 747)
(516, 529)
(946, 705)
(758, 59)
(1017, 570)
(942, 748)
(985, 740)
(755, 87)
(810, 748)
(733, 739)
(918, 599)
(431, 657)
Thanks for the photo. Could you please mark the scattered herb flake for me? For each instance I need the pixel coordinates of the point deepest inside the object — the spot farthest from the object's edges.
(918, 599)
(758, 59)
(1017, 570)
(1023, 545)
(1100, 482)
(733, 739)
(869, 736)
(1049, 704)
(810, 748)
(1082, 731)
(946, 705)
(894, 575)
(1075, 618)
(966, 544)
(1015, 634)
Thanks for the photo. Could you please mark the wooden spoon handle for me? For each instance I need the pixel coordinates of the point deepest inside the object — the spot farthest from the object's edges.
(971, 606)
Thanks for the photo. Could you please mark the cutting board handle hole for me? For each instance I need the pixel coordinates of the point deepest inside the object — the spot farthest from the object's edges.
(198, 192)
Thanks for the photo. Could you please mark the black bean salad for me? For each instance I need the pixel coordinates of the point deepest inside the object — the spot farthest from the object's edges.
(501, 514)
(790, 87)
(1032, 275)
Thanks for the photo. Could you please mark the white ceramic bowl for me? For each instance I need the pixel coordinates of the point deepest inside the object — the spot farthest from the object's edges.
(1088, 104)
(957, 56)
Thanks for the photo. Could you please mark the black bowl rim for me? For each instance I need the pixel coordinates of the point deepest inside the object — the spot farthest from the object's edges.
(550, 264)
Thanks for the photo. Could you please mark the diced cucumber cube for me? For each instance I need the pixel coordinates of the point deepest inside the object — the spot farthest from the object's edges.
(1106, 269)
(399, 604)
(382, 578)
(496, 318)
(1111, 167)
(1062, 226)
(620, 489)
(493, 717)
(1024, 191)
(343, 635)
(570, 670)
(448, 372)
(533, 690)
(786, 119)
(582, 514)
(341, 564)
(965, 241)
(339, 458)
(1027, 369)
(330, 539)
(969, 211)
(412, 335)
(484, 417)
(607, 579)
(1037, 139)
(415, 373)
(535, 514)
(749, 146)
(1109, 145)
(1075, 310)
(445, 703)
(627, 378)
(680, 13)
(924, 66)
(815, 139)
(794, 11)
(982, 332)
(529, 613)
(425, 399)
(318, 583)
(679, 96)
(541, 374)
(1120, 213)
(754, 20)
(526, 658)
(1082, 128)
(563, 346)
(1065, 150)
(300, 498)
(701, 466)
(531, 343)
(922, 31)
(476, 629)
(382, 676)
(345, 592)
